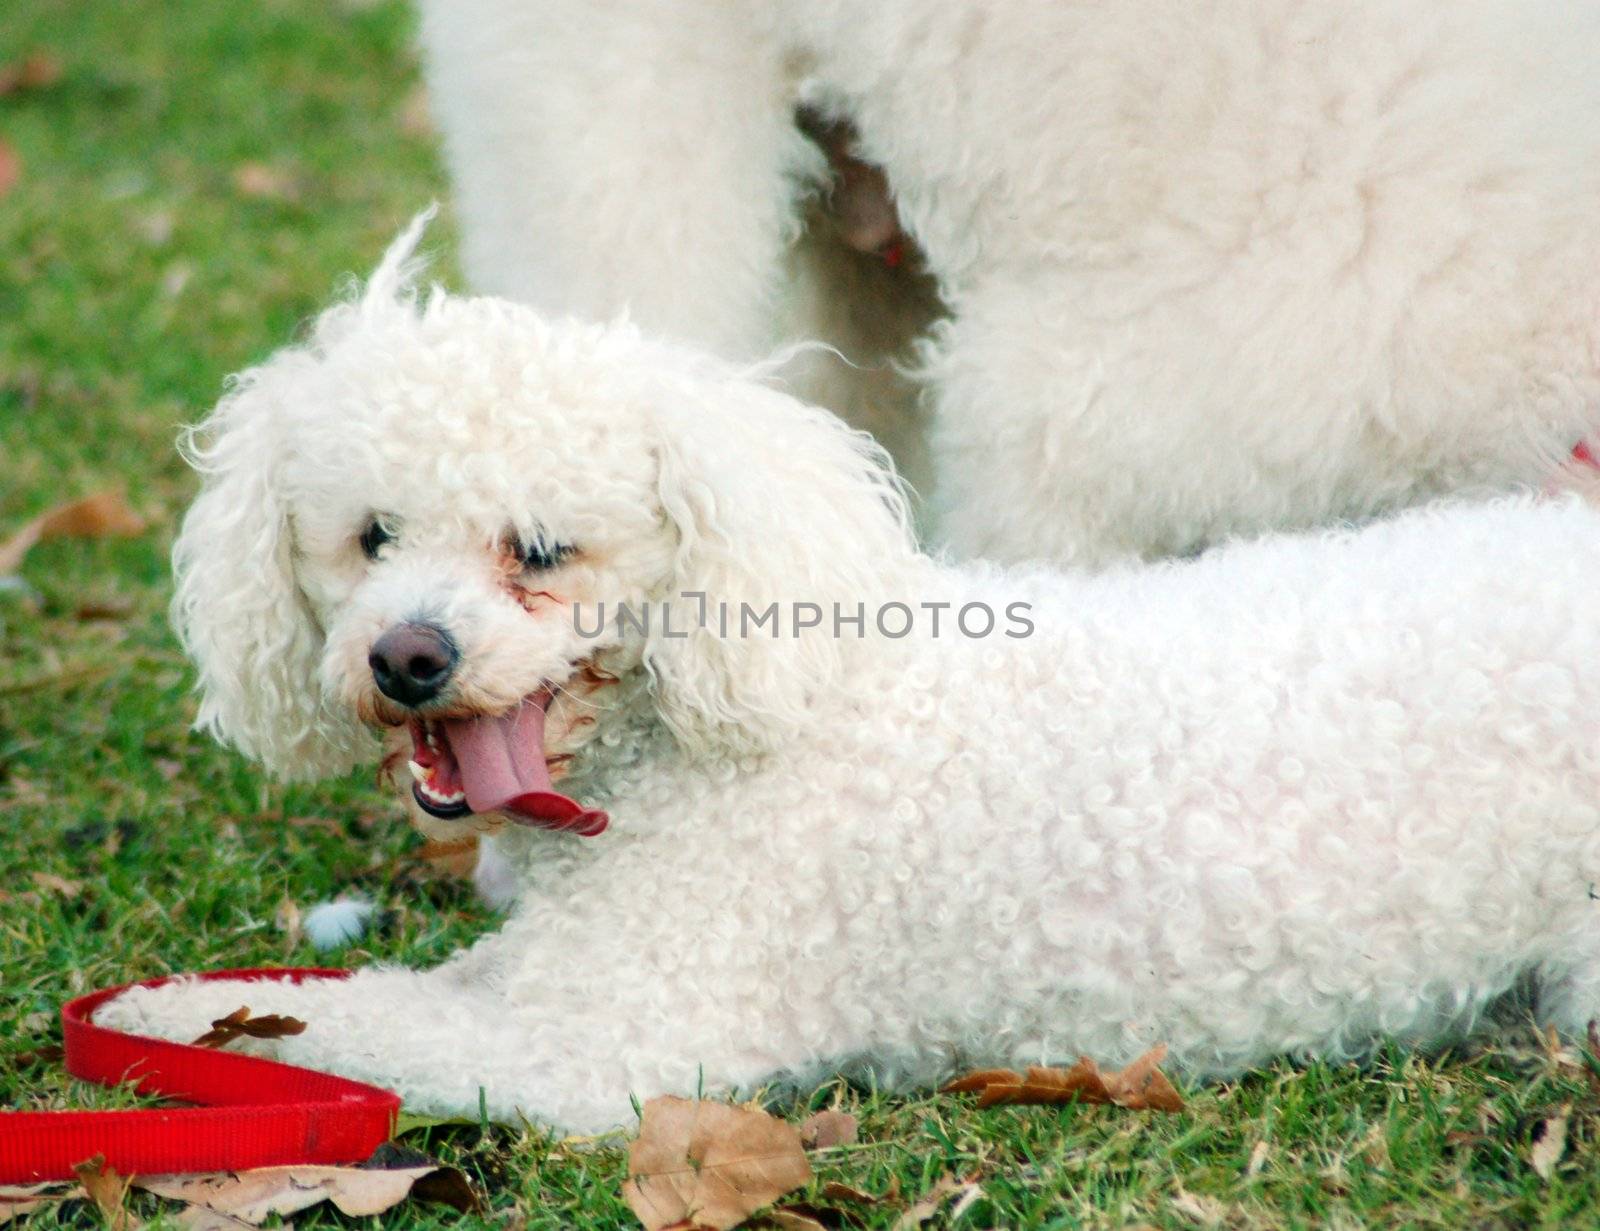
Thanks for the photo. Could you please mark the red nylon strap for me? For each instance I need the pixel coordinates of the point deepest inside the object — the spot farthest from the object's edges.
(252, 1113)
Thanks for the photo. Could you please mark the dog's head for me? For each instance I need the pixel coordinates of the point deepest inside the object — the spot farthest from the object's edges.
(416, 519)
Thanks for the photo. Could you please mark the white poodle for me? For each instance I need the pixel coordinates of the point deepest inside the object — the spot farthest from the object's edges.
(1287, 798)
(1208, 268)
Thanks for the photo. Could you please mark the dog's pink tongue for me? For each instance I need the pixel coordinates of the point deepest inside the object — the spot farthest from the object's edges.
(503, 769)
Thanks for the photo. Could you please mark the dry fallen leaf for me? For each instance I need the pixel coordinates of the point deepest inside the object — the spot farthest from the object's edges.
(199, 1218)
(263, 182)
(1550, 1144)
(109, 1192)
(709, 1164)
(416, 114)
(252, 1195)
(10, 173)
(1258, 1159)
(930, 1203)
(268, 1026)
(825, 1129)
(49, 1053)
(835, 1191)
(57, 884)
(19, 1199)
(103, 515)
(1140, 1087)
(1207, 1211)
(37, 70)
(288, 921)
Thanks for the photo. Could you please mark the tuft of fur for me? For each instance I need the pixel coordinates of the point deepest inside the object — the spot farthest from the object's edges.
(1296, 795)
(332, 925)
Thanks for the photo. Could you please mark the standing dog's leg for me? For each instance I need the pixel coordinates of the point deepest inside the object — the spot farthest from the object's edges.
(622, 157)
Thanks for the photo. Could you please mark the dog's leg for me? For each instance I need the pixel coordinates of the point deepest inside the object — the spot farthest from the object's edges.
(611, 158)
(433, 1036)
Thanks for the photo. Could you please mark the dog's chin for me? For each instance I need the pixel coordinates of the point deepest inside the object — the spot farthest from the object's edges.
(440, 829)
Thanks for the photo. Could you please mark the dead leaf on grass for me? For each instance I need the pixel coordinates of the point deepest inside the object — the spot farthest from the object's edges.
(109, 1192)
(1140, 1087)
(48, 1053)
(199, 1218)
(963, 1190)
(253, 1195)
(287, 920)
(1549, 1144)
(416, 114)
(57, 884)
(826, 1129)
(795, 1218)
(10, 173)
(239, 1023)
(266, 183)
(709, 1164)
(1207, 1211)
(38, 70)
(19, 1199)
(835, 1191)
(103, 515)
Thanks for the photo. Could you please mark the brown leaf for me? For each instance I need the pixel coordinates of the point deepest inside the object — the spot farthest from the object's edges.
(57, 884)
(263, 182)
(825, 1129)
(795, 1218)
(103, 515)
(103, 607)
(710, 1163)
(49, 1053)
(268, 1026)
(109, 1192)
(200, 1218)
(416, 114)
(1197, 1207)
(288, 921)
(1549, 1145)
(1140, 1087)
(253, 1195)
(930, 1203)
(834, 1191)
(10, 173)
(19, 1199)
(37, 70)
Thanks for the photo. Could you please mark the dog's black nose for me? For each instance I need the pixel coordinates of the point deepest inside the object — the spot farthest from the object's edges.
(412, 662)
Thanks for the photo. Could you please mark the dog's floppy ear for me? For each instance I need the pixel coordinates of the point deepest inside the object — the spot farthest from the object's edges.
(774, 502)
(238, 610)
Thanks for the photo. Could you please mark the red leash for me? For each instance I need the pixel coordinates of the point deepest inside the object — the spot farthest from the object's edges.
(252, 1113)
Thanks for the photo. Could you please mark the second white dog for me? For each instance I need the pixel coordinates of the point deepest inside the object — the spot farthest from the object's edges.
(1209, 268)
(1288, 798)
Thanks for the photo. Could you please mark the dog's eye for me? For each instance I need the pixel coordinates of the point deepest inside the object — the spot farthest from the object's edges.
(374, 537)
(539, 555)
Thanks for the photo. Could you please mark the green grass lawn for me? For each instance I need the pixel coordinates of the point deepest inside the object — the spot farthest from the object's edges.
(200, 179)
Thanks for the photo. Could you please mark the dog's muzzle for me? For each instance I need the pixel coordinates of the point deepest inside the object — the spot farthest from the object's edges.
(411, 663)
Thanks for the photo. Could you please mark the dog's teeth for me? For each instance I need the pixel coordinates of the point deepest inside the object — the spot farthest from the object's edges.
(433, 796)
(417, 772)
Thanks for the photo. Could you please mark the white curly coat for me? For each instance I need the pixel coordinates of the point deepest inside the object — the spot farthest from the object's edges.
(1210, 268)
(1290, 797)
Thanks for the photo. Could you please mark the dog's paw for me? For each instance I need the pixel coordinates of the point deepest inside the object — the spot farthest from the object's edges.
(185, 1009)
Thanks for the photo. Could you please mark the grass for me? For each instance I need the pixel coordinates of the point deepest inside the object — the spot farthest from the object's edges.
(138, 265)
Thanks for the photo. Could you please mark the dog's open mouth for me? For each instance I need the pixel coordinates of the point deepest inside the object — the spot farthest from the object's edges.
(494, 763)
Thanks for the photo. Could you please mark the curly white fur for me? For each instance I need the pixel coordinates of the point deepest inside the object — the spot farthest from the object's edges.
(1287, 798)
(1210, 268)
